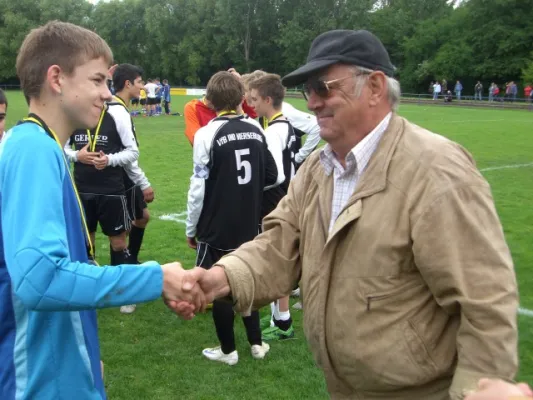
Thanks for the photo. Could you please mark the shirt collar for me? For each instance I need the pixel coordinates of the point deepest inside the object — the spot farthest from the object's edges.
(362, 151)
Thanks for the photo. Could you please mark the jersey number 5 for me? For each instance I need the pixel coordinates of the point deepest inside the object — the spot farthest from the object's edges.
(243, 164)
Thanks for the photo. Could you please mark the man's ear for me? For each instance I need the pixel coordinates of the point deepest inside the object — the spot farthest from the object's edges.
(377, 82)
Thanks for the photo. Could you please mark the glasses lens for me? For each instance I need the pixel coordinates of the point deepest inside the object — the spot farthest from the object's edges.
(2, 117)
(317, 86)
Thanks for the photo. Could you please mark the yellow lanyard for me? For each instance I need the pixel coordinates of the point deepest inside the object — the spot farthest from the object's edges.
(267, 122)
(82, 215)
(121, 102)
(92, 140)
(230, 112)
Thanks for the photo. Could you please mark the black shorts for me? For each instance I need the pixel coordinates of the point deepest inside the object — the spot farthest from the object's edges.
(143, 102)
(134, 101)
(108, 210)
(151, 101)
(207, 256)
(135, 202)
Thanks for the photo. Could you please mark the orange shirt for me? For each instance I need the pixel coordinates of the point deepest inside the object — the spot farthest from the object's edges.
(198, 114)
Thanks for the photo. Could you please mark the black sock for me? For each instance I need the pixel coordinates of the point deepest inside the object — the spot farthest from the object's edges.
(120, 257)
(223, 316)
(283, 325)
(136, 239)
(252, 323)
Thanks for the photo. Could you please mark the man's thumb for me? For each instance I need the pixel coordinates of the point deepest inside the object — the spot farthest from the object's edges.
(192, 277)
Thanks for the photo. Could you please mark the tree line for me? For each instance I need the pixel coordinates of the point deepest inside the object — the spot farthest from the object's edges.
(186, 41)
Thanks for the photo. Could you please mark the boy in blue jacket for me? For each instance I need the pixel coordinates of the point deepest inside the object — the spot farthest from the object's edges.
(48, 290)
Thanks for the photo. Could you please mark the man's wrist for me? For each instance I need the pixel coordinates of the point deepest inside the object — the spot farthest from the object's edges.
(219, 275)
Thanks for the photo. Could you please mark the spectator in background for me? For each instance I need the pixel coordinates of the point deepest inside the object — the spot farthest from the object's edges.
(444, 86)
(478, 91)
(448, 96)
(436, 90)
(3, 112)
(527, 92)
(514, 90)
(458, 89)
(491, 91)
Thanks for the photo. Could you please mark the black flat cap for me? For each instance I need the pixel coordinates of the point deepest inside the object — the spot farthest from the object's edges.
(360, 48)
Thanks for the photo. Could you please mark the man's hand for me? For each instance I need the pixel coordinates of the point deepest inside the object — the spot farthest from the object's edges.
(496, 389)
(101, 161)
(85, 156)
(191, 242)
(213, 283)
(148, 194)
(179, 287)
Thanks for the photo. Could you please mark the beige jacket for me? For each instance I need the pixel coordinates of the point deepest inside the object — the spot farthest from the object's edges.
(413, 294)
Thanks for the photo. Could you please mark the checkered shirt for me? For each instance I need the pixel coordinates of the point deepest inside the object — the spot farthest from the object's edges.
(345, 179)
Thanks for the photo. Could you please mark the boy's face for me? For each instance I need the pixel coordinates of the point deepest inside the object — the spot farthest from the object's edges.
(84, 93)
(2, 118)
(136, 86)
(261, 105)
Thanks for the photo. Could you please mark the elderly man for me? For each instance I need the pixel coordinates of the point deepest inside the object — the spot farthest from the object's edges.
(407, 281)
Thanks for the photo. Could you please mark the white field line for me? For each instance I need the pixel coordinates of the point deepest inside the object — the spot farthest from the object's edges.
(506, 167)
(181, 217)
(525, 311)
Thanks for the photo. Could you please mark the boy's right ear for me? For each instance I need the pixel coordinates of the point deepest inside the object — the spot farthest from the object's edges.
(55, 78)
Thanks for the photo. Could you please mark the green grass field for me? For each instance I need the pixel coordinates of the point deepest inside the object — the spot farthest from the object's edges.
(151, 354)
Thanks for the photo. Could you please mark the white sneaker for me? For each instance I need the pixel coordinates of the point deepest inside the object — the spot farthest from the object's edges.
(216, 354)
(128, 309)
(295, 292)
(259, 352)
(298, 306)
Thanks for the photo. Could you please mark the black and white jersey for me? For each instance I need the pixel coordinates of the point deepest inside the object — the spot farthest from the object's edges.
(303, 124)
(230, 161)
(115, 137)
(284, 144)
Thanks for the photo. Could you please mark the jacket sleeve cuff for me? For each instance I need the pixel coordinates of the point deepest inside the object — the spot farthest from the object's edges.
(465, 381)
(241, 282)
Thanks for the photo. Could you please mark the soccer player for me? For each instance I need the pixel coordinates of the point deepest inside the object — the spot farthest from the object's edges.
(231, 168)
(158, 96)
(302, 122)
(166, 96)
(49, 347)
(99, 161)
(266, 96)
(3, 113)
(151, 94)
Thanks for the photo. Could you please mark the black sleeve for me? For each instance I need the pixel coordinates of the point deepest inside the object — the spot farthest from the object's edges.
(271, 175)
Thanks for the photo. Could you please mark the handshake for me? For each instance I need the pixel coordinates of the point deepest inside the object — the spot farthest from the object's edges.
(187, 292)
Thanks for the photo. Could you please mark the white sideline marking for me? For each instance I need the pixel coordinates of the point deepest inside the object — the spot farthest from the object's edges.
(525, 311)
(175, 217)
(506, 167)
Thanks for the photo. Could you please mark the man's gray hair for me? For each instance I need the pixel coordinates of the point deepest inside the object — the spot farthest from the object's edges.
(393, 86)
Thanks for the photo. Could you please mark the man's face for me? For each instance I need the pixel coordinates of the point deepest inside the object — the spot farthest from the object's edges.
(261, 106)
(84, 93)
(3, 110)
(339, 110)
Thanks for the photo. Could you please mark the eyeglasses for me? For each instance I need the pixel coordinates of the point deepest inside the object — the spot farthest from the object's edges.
(320, 87)
(2, 116)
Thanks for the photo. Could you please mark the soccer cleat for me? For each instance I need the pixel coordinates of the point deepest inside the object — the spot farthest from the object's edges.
(216, 354)
(128, 309)
(298, 306)
(259, 351)
(275, 333)
(295, 292)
